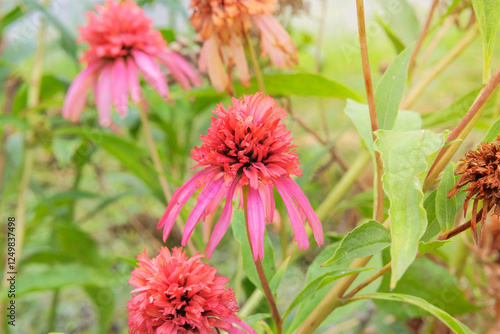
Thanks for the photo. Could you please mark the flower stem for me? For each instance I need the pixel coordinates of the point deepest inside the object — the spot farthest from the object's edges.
(378, 203)
(459, 229)
(462, 130)
(161, 173)
(260, 270)
(368, 281)
(421, 38)
(255, 64)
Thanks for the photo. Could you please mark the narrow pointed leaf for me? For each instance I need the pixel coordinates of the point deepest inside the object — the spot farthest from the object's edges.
(365, 240)
(446, 208)
(452, 323)
(390, 89)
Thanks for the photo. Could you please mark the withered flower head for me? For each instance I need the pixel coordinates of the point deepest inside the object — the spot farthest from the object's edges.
(481, 170)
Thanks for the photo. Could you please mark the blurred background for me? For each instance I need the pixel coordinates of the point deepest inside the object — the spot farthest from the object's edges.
(90, 198)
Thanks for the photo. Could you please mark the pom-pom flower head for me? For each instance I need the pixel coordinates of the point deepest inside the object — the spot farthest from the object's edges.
(177, 295)
(481, 170)
(122, 43)
(246, 145)
(223, 25)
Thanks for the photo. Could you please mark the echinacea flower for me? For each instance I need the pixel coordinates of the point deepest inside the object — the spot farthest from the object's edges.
(247, 145)
(122, 44)
(481, 171)
(223, 25)
(177, 295)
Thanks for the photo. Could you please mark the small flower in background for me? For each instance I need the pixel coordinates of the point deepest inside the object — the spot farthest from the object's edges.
(247, 145)
(122, 43)
(175, 294)
(223, 25)
(481, 171)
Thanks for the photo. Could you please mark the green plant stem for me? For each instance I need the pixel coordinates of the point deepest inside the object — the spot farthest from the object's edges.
(251, 304)
(255, 64)
(421, 38)
(333, 298)
(53, 311)
(343, 186)
(161, 173)
(486, 66)
(438, 68)
(462, 130)
(260, 270)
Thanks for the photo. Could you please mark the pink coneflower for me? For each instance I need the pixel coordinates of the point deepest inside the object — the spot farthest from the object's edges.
(122, 43)
(177, 295)
(247, 145)
(223, 24)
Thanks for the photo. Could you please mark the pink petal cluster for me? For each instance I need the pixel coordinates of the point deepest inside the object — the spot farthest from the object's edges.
(246, 145)
(223, 25)
(174, 295)
(122, 44)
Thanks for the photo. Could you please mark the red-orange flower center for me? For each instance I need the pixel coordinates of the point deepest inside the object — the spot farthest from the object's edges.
(248, 140)
(121, 27)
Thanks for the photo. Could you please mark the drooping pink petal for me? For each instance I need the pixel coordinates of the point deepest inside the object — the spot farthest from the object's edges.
(152, 72)
(224, 220)
(206, 196)
(293, 188)
(119, 86)
(295, 220)
(256, 223)
(74, 102)
(180, 69)
(179, 199)
(102, 94)
(133, 81)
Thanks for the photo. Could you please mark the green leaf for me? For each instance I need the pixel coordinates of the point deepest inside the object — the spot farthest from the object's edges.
(133, 157)
(240, 234)
(390, 89)
(14, 14)
(455, 325)
(396, 41)
(61, 276)
(427, 247)
(358, 113)
(365, 240)
(488, 15)
(452, 113)
(446, 208)
(319, 282)
(401, 17)
(492, 133)
(432, 282)
(65, 148)
(405, 155)
(278, 277)
(301, 84)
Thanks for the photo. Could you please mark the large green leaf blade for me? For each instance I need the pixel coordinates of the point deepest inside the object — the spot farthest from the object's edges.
(452, 323)
(390, 89)
(405, 155)
(365, 240)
